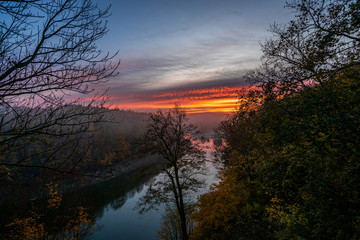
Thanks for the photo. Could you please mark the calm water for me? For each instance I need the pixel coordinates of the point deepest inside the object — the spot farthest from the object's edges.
(110, 204)
(124, 221)
(127, 223)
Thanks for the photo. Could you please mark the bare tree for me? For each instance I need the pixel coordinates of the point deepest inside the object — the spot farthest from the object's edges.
(47, 53)
(171, 136)
(322, 42)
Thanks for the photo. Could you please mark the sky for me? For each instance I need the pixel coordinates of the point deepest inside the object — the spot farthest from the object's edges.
(194, 53)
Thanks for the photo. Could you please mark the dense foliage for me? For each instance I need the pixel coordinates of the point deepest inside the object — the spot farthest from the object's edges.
(293, 169)
(293, 148)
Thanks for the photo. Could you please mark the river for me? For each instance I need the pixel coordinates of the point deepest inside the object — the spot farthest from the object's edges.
(108, 207)
(127, 223)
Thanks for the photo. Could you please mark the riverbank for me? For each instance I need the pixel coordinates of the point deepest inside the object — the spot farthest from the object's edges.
(27, 190)
(117, 170)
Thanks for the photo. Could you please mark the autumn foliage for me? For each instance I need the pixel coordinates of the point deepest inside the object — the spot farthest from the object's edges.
(38, 223)
(292, 159)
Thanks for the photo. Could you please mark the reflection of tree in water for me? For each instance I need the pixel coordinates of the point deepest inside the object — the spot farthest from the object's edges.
(75, 217)
(137, 188)
(118, 203)
(50, 222)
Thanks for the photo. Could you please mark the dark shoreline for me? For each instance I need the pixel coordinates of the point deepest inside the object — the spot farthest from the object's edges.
(118, 170)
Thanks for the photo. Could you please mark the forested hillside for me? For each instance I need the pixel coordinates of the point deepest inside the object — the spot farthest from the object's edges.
(292, 149)
(88, 153)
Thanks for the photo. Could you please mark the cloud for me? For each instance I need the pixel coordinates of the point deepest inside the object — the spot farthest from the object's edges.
(203, 72)
(194, 100)
(201, 62)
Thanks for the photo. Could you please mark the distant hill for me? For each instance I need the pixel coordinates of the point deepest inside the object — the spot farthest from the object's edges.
(207, 122)
(132, 124)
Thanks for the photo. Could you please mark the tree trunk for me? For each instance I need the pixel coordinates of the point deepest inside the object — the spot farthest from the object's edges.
(181, 209)
(184, 233)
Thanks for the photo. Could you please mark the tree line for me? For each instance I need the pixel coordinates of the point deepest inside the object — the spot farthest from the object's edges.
(292, 147)
(92, 153)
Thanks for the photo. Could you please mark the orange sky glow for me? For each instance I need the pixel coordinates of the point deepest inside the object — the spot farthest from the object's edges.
(223, 99)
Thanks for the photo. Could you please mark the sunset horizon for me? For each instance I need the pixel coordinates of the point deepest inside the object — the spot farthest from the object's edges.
(208, 100)
(185, 53)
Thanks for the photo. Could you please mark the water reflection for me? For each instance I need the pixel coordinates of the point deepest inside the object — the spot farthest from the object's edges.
(49, 220)
(72, 215)
(101, 211)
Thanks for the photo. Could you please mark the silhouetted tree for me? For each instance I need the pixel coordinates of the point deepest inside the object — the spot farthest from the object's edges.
(48, 52)
(171, 136)
(321, 42)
